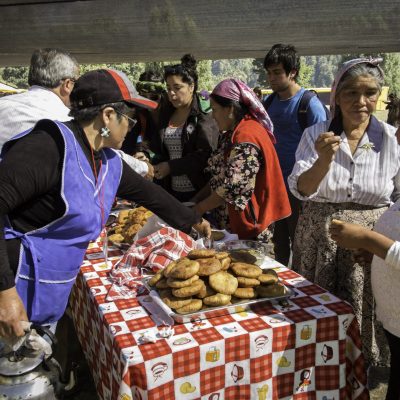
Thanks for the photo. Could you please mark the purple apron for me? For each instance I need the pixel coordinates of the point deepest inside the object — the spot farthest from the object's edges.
(50, 257)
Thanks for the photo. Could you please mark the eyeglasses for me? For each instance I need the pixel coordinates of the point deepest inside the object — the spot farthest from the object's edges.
(131, 122)
(73, 80)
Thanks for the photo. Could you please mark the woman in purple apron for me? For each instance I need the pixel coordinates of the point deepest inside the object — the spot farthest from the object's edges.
(58, 182)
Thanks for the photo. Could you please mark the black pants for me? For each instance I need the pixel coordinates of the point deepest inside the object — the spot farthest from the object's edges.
(284, 232)
(393, 391)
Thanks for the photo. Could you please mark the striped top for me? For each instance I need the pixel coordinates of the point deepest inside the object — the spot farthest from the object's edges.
(371, 176)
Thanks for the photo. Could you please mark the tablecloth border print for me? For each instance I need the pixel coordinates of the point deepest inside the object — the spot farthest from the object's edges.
(287, 350)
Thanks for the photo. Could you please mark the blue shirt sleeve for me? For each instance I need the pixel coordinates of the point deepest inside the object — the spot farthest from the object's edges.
(316, 112)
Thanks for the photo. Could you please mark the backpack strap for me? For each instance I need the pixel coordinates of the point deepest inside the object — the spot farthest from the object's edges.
(303, 108)
(268, 101)
(204, 105)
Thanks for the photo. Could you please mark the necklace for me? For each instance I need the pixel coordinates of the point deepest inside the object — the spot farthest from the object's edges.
(101, 189)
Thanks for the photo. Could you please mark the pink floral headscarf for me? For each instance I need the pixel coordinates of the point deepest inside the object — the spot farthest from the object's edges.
(235, 89)
(345, 67)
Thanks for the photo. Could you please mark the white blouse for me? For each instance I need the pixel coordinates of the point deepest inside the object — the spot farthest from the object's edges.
(370, 176)
(385, 274)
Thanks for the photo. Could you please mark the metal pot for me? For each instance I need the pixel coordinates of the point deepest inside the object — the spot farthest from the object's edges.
(26, 374)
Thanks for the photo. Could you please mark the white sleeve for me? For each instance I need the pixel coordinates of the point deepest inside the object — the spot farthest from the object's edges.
(138, 166)
(305, 159)
(393, 256)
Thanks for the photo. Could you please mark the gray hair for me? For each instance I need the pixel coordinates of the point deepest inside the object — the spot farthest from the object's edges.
(50, 66)
(361, 70)
(88, 114)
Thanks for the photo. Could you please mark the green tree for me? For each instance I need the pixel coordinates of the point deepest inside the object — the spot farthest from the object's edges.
(391, 66)
(305, 75)
(15, 76)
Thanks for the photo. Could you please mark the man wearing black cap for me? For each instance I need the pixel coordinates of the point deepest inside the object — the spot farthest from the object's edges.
(58, 184)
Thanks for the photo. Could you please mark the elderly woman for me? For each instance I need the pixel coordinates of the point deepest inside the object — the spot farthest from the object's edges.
(348, 169)
(246, 187)
(187, 133)
(58, 183)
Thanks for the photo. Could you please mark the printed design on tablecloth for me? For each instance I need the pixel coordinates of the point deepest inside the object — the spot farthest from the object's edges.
(159, 371)
(134, 313)
(102, 266)
(297, 293)
(305, 333)
(181, 342)
(283, 362)
(320, 311)
(344, 323)
(95, 256)
(213, 396)
(325, 298)
(298, 282)
(276, 320)
(327, 353)
(187, 387)
(237, 373)
(262, 390)
(285, 305)
(230, 330)
(304, 381)
(328, 395)
(260, 343)
(98, 290)
(105, 280)
(198, 324)
(91, 275)
(106, 308)
(132, 355)
(119, 328)
(352, 351)
(212, 354)
(243, 314)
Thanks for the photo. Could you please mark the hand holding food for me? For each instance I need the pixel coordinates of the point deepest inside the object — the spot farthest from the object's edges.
(349, 236)
(326, 145)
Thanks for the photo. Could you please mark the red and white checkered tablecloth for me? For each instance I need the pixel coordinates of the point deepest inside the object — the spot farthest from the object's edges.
(306, 348)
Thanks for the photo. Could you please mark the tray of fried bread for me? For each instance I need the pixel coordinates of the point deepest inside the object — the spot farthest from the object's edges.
(126, 225)
(207, 283)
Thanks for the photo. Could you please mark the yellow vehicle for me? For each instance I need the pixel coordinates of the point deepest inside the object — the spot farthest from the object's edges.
(7, 89)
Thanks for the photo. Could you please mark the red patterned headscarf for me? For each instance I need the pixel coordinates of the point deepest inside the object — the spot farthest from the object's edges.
(235, 89)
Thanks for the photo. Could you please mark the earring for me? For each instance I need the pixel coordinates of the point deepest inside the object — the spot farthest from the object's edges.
(230, 116)
(105, 132)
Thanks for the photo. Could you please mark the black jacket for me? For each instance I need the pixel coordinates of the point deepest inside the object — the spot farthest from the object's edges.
(199, 138)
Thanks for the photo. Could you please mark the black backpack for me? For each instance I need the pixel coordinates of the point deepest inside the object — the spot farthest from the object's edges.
(303, 107)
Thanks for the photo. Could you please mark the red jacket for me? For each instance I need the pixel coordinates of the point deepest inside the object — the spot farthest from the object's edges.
(269, 201)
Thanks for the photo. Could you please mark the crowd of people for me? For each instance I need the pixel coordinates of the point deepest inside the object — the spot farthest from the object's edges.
(324, 189)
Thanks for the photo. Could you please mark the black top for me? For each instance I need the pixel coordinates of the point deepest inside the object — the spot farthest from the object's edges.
(30, 179)
(199, 137)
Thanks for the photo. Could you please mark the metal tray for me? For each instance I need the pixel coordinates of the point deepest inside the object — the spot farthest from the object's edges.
(211, 312)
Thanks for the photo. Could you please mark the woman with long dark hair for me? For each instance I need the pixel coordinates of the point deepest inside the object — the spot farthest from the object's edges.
(187, 133)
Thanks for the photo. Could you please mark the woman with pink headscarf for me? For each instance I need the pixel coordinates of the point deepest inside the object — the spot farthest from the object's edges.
(246, 189)
(347, 168)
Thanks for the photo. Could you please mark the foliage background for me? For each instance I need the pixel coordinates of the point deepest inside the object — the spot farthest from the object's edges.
(316, 71)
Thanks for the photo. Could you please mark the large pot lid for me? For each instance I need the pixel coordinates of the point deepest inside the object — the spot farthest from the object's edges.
(20, 362)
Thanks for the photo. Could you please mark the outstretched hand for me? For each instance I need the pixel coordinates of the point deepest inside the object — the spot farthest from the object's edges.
(346, 235)
(204, 228)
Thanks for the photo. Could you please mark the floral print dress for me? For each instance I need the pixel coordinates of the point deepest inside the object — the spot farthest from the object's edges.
(234, 178)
